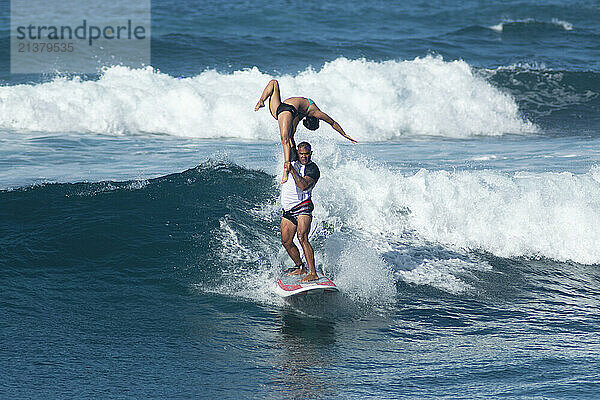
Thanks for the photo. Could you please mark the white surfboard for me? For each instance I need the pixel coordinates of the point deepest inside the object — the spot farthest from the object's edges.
(288, 286)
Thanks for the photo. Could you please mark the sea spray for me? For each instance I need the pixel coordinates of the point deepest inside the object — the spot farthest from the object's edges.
(374, 225)
(375, 101)
(552, 215)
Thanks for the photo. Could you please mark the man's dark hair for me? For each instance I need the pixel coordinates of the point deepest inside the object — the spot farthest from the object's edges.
(304, 145)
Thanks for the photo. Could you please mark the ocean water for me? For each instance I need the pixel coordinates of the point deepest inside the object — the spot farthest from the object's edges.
(139, 211)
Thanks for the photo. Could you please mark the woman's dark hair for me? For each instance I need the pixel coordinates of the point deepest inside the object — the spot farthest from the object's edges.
(311, 123)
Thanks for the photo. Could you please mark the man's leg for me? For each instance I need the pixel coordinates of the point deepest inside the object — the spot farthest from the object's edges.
(304, 222)
(288, 230)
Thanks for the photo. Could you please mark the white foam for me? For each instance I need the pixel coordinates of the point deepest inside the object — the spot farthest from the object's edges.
(498, 27)
(373, 101)
(374, 226)
(485, 158)
(552, 215)
(441, 274)
(567, 26)
(246, 272)
(360, 271)
(531, 66)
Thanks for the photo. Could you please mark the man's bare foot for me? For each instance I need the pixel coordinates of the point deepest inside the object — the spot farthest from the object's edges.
(259, 105)
(298, 271)
(309, 277)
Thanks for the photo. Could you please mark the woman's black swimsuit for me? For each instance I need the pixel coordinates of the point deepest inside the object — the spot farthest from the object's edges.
(287, 107)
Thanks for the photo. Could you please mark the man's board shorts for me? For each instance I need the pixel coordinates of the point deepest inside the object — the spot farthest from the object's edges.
(304, 208)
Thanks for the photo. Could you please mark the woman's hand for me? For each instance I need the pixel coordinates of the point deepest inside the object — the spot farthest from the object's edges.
(349, 138)
(287, 166)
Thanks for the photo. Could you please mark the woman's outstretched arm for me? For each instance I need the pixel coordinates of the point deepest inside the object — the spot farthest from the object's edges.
(324, 117)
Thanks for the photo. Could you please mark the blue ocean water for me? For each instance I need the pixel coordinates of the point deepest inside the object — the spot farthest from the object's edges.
(139, 208)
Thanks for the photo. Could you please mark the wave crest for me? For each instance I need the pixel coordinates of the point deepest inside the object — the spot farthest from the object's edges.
(550, 215)
(531, 25)
(374, 101)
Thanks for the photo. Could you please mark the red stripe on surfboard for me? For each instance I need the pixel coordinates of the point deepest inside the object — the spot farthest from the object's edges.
(290, 288)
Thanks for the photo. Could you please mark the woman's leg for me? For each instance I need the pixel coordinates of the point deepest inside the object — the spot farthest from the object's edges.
(287, 141)
(271, 91)
(284, 120)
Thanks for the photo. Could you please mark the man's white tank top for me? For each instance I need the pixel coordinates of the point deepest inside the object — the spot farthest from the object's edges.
(292, 195)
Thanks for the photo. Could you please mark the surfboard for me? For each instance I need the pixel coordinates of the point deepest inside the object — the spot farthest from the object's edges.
(289, 286)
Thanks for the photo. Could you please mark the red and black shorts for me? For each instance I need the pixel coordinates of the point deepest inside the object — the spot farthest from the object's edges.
(304, 208)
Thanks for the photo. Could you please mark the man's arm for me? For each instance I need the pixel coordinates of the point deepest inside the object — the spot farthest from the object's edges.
(324, 117)
(303, 183)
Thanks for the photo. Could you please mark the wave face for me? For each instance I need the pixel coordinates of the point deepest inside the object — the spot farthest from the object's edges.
(374, 101)
(566, 99)
(137, 228)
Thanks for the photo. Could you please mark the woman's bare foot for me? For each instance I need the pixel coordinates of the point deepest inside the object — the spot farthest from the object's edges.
(310, 277)
(298, 271)
(259, 105)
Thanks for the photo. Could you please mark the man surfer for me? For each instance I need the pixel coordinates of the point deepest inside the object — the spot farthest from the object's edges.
(297, 210)
(288, 114)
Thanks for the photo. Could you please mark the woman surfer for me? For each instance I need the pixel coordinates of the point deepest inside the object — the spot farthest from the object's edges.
(288, 114)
